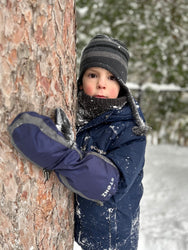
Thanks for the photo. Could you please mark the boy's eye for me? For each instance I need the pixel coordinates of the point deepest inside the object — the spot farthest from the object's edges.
(113, 78)
(92, 75)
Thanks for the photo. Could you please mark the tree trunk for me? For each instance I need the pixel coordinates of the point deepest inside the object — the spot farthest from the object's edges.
(37, 73)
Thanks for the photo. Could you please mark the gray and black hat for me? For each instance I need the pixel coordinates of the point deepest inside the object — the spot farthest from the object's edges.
(108, 53)
(111, 54)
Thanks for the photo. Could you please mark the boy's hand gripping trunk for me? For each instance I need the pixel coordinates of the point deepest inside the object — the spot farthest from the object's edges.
(92, 176)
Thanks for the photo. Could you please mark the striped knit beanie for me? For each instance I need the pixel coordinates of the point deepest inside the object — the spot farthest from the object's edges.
(109, 53)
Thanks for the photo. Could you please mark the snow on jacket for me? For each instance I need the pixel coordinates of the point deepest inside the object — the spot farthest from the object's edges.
(105, 172)
(114, 225)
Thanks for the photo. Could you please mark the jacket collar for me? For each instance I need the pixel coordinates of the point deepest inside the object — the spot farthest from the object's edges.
(114, 115)
(90, 107)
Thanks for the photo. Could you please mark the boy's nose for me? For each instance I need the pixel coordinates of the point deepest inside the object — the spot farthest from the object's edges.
(101, 83)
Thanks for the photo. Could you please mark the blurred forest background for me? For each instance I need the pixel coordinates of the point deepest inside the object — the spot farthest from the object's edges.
(156, 34)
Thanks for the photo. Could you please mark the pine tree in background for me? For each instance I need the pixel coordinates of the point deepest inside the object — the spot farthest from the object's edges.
(155, 32)
(156, 35)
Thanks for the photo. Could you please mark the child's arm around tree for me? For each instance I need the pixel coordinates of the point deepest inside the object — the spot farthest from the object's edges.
(38, 139)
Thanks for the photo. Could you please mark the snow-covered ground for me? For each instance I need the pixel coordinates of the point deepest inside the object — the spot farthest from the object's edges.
(164, 206)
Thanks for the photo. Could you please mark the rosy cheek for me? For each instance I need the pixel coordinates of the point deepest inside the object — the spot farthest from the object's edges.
(88, 90)
(113, 93)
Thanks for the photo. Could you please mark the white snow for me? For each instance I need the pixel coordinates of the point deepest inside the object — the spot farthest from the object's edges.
(156, 87)
(164, 206)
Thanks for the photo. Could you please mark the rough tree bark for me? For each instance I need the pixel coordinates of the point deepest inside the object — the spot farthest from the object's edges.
(37, 72)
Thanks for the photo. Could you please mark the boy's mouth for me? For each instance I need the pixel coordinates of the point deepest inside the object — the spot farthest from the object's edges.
(100, 96)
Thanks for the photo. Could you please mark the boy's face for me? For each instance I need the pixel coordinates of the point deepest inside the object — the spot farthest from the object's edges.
(100, 83)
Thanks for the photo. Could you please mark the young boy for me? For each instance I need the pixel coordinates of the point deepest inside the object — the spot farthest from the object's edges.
(104, 168)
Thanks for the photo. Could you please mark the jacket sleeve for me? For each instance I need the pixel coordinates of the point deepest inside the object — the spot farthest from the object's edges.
(92, 176)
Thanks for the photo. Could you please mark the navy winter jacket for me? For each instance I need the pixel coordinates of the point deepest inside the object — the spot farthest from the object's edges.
(115, 224)
(105, 172)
